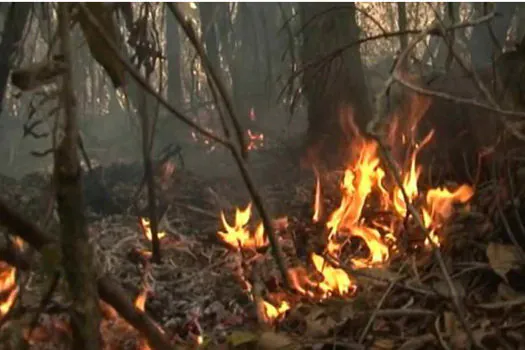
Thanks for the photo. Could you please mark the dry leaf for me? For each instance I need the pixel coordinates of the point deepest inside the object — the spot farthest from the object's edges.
(502, 258)
(271, 341)
(318, 323)
(383, 344)
(238, 338)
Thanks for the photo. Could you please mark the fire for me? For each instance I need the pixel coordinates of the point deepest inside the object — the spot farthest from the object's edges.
(335, 280)
(8, 285)
(239, 236)
(146, 229)
(272, 313)
(365, 190)
(317, 203)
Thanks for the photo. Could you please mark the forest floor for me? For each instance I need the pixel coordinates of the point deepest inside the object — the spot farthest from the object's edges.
(206, 294)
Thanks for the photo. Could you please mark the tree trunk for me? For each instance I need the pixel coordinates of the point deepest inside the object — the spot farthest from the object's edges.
(12, 34)
(334, 87)
(487, 40)
(402, 21)
(208, 13)
(173, 52)
(77, 252)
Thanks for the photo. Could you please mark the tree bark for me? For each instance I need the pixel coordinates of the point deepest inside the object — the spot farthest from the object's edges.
(77, 252)
(402, 22)
(487, 40)
(336, 92)
(12, 34)
(173, 52)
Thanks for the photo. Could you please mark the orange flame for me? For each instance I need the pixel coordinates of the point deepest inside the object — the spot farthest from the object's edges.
(8, 286)
(146, 229)
(272, 313)
(364, 186)
(317, 203)
(238, 236)
(335, 280)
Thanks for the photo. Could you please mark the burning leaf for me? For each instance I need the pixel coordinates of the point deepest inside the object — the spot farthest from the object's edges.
(502, 258)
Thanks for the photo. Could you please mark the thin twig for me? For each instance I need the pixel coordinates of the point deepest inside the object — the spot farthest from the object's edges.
(211, 70)
(376, 311)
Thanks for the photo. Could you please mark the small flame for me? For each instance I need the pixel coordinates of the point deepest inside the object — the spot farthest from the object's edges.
(335, 280)
(239, 236)
(7, 286)
(272, 313)
(317, 203)
(146, 229)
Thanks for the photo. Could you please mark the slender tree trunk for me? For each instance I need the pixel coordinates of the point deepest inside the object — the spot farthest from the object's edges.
(209, 15)
(173, 52)
(402, 21)
(337, 93)
(77, 252)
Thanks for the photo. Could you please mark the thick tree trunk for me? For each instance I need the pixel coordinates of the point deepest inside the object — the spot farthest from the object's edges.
(173, 52)
(13, 29)
(77, 252)
(487, 40)
(336, 93)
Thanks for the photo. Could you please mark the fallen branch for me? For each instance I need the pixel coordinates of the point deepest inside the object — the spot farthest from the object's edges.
(108, 290)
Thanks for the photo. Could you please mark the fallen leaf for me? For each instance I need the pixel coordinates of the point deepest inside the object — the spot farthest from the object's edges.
(383, 344)
(318, 323)
(238, 338)
(271, 341)
(442, 288)
(502, 258)
(418, 342)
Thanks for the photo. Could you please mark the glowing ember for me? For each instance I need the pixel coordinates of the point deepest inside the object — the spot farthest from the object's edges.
(255, 140)
(239, 235)
(146, 229)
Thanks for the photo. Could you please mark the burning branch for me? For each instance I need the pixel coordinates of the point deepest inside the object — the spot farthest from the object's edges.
(76, 249)
(109, 291)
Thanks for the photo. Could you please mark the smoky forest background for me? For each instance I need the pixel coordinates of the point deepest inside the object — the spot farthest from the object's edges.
(262, 175)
